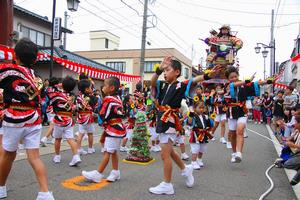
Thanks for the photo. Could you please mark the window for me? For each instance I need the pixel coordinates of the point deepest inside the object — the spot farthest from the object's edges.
(106, 43)
(32, 35)
(40, 39)
(186, 73)
(37, 37)
(119, 66)
(149, 65)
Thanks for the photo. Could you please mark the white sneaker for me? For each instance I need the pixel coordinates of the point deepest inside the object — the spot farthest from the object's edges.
(255, 122)
(238, 157)
(187, 173)
(213, 139)
(82, 152)
(45, 196)
(94, 176)
(114, 176)
(228, 145)
(3, 192)
(123, 149)
(200, 162)
(91, 150)
(57, 159)
(102, 150)
(245, 134)
(184, 156)
(233, 158)
(195, 165)
(51, 141)
(75, 161)
(162, 188)
(222, 140)
(43, 142)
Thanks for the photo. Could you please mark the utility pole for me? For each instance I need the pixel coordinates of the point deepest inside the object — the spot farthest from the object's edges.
(65, 34)
(52, 41)
(272, 45)
(144, 32)
(6, 22)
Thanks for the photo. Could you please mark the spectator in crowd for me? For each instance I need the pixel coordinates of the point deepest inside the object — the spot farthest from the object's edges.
(290, 101)
(278, 114)
(257, 102)
(267, 107)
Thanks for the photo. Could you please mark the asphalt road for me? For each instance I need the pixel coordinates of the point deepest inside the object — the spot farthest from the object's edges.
(219, 179)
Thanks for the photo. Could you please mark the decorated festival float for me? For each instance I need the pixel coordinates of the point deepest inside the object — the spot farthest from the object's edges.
(139, 151)
(223, 48)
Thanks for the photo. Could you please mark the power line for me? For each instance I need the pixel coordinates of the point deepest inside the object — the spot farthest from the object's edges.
(219, 23)
(277, 12)
(129, 6)
(232, 10)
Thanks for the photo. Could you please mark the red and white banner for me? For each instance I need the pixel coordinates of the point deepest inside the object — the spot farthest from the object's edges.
(280, 86)
(7, 53)
(296, 58)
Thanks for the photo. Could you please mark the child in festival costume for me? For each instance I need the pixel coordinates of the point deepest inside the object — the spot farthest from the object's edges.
(53, 87)
(236, 96)
(22, 117)
(111, 113)
(63, 107)
(181, 134)
(131, 116)
(217, 100)
(86, 104)
(152, 114)
(200, 134)
(169, 97)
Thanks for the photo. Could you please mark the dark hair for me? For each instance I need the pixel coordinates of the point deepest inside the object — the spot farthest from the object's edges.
(290, 88)
(83, 76)
(26, 51)
(176, 65)
(53, 81)
(139, 86)
(280, 91)
(297, 107)
(83, 84)
(231, 70)
(199, 87)
(198, 103)
(68, 84)
(114, 81)
(126, 98)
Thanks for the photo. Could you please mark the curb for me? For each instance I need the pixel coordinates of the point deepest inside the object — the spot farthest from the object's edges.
(290, 173)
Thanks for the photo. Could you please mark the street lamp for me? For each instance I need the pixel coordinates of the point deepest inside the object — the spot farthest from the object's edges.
(264, 53)
(72, 6)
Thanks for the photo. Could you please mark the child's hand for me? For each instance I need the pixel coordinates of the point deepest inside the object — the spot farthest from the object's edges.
(165, 63)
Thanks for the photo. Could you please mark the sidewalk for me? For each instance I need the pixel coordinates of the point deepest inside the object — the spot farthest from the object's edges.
(290, 173)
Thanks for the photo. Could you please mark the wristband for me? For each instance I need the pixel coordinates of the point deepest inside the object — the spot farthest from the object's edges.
(206, 77)
(158, 71)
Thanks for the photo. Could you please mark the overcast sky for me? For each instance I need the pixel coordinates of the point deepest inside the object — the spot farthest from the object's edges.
(181, 22)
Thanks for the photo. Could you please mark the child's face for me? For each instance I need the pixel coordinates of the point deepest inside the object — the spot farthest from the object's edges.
(131, 100)
(170, 74)
(200, 109)
(199, 91)
(107, 89)
(89, 90)
(233, 77)
(279, 95)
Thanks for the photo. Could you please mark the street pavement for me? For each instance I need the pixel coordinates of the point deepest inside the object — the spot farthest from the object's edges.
(219, 179)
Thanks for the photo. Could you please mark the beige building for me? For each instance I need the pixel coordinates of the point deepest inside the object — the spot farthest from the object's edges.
(128, 60)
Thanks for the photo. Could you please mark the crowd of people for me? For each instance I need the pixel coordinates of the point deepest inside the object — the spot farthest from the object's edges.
(174, 110)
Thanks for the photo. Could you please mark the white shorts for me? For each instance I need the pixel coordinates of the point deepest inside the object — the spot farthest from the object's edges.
(198, 148)
(1, 131)
(232, 123)
(30, 136)
(86, 128)
(180, 139)
(112, 144)
(154, 135)
(249, 104)
(50, 117)
(220, 117)
(129, 133)
(165, 137)
(63, 132)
